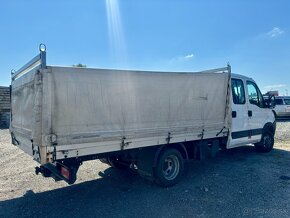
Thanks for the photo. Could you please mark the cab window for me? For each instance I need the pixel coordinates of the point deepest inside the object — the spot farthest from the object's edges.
(238, 91)
(254, 94)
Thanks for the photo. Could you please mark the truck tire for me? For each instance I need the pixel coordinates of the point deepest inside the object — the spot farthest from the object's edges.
(169, 168)
(266, 144)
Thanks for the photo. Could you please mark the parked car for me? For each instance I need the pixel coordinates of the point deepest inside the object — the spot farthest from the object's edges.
(282, 108)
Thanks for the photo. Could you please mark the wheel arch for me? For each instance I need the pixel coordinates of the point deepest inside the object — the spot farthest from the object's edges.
(267, 139)
(178, 146)
(269, 127)
(275, 114)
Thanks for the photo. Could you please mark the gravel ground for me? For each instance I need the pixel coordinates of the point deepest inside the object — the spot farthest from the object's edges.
(238, 182)
(283, 130)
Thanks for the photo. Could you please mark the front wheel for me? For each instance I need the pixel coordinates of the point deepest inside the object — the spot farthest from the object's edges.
(266, 144)
(169, 169)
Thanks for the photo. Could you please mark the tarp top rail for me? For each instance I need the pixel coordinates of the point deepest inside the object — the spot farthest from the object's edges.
(39, 61)
(217, 70)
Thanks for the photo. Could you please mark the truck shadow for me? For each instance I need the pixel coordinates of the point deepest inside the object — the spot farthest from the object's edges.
(236, 175)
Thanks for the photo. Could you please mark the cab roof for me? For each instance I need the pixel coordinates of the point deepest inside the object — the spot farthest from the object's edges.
(239, 76)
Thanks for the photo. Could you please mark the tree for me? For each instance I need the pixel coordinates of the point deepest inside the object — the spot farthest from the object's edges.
(80, 65)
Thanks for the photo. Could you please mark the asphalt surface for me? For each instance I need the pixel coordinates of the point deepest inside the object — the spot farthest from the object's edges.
(237, 183)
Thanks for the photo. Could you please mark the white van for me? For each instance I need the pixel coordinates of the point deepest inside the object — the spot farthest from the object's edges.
(151, 122)
(282, 108)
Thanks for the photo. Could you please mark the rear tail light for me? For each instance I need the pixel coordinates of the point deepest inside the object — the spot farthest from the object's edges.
(65, 172)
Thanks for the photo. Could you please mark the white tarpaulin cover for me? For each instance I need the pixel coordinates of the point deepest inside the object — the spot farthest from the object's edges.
(79, 106)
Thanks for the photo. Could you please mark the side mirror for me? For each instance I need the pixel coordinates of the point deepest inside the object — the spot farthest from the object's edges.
(270, 102)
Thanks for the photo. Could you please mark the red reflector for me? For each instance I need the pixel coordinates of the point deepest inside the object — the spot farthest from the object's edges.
(65, 172)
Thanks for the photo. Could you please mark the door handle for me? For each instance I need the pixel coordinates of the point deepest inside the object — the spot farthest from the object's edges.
(250, 113)
(234, 114)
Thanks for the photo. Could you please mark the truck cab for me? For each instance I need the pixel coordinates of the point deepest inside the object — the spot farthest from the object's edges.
(253, 119)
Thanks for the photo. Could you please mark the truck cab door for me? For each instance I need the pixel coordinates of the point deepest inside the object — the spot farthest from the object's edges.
(239, 134)
(257, 111)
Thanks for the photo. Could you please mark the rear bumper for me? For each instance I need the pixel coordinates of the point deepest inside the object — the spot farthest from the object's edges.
(60, 171)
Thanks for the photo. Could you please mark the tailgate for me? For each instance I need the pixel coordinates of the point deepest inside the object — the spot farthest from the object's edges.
(26, 95)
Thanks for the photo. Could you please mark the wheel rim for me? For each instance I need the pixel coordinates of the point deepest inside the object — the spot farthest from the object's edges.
(267, 141)
(171, 167)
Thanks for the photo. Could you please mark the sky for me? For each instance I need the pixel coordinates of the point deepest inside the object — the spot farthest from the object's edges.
(163, 35)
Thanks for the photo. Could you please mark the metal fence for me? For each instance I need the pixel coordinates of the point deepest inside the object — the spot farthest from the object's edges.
(4, 107)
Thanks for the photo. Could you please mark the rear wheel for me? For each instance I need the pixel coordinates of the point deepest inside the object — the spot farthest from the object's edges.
(169, 169)
(266, 144)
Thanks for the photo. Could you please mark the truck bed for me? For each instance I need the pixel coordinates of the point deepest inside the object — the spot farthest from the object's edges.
(64, 112)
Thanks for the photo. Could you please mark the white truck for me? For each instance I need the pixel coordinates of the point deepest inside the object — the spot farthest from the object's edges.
(151, 122)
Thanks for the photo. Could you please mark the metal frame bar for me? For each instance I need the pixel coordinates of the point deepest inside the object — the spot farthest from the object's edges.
(223, 69)
(38, 61)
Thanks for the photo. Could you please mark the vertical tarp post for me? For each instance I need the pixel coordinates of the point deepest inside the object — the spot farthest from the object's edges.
(228, 98)
(42, 49)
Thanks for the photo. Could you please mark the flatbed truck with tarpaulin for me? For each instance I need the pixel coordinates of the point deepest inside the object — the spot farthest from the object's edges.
(152, 122)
